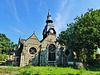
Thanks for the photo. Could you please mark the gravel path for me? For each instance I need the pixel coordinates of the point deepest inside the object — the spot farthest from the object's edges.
(3, 66)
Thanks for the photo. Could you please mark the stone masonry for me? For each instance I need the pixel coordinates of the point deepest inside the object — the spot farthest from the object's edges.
(45, 52)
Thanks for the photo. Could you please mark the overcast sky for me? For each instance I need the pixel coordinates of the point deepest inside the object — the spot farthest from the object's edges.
(23, 17)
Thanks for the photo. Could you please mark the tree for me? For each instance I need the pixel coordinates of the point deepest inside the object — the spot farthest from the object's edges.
(13, 46)
(83, 34)
(6, 45)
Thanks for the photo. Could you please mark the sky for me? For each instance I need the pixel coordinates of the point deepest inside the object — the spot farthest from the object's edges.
(23, 17)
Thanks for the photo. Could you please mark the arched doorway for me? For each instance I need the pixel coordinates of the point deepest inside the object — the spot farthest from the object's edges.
(51, 56)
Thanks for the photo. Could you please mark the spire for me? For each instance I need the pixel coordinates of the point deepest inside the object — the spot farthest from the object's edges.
(49, 20)
(49, 12)
(49, 25)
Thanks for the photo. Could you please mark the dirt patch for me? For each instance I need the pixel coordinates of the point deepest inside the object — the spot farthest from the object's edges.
(3, 66)
(14, 72)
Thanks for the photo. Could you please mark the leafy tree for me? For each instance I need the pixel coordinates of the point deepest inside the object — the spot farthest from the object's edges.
(13, 46)
(1, 57)
(83, 35)
(6, 45)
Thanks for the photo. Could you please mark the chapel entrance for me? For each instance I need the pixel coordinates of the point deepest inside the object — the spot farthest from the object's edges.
(51, 56)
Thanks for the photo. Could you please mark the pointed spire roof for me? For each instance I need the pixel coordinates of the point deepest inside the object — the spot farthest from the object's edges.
(49, 20)
(49, 12)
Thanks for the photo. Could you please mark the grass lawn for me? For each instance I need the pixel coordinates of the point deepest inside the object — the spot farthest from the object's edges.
(30, 70)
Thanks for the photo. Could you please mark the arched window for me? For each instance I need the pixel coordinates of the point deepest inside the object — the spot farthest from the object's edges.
(51, 56)
(32, 50)
(67, 52)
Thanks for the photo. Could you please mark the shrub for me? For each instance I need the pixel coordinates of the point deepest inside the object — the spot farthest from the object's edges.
(3, 56)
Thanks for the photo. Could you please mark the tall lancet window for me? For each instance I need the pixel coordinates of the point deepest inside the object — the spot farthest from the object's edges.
(51, 56)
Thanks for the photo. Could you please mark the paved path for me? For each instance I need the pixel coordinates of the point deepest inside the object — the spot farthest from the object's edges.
(3, 66)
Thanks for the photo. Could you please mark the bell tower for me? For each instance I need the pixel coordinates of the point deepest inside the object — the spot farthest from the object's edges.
(49, 28)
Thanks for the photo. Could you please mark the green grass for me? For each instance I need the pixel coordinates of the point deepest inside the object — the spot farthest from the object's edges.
(30, 70)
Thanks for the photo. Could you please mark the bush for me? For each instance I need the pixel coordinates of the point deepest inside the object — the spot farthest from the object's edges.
(90, 62)
(3, 56)
(97, 56)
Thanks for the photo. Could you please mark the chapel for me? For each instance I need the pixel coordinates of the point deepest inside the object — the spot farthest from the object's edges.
(48, 51)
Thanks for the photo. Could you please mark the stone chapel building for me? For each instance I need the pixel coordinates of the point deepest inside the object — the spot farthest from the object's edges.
(45, 52)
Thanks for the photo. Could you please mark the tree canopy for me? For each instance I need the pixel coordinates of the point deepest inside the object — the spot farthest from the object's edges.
(83, 35)
(6, 45)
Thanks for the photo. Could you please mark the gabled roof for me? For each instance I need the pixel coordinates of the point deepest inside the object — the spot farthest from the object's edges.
(33, 35)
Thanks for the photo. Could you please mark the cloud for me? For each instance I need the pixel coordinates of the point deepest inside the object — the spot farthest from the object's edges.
(61, 16)
(18, 31)
(59, 23)
(63, 4)
(15, 11)
(26, 6)
(41, 5)
(12, 8)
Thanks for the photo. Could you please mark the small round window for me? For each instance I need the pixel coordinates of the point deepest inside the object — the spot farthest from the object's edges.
(32, 50)
(67, 52)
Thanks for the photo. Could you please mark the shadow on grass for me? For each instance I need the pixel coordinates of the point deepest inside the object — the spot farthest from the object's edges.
(95, 67)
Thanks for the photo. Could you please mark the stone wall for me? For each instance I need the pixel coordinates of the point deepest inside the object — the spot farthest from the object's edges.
(36, 59)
